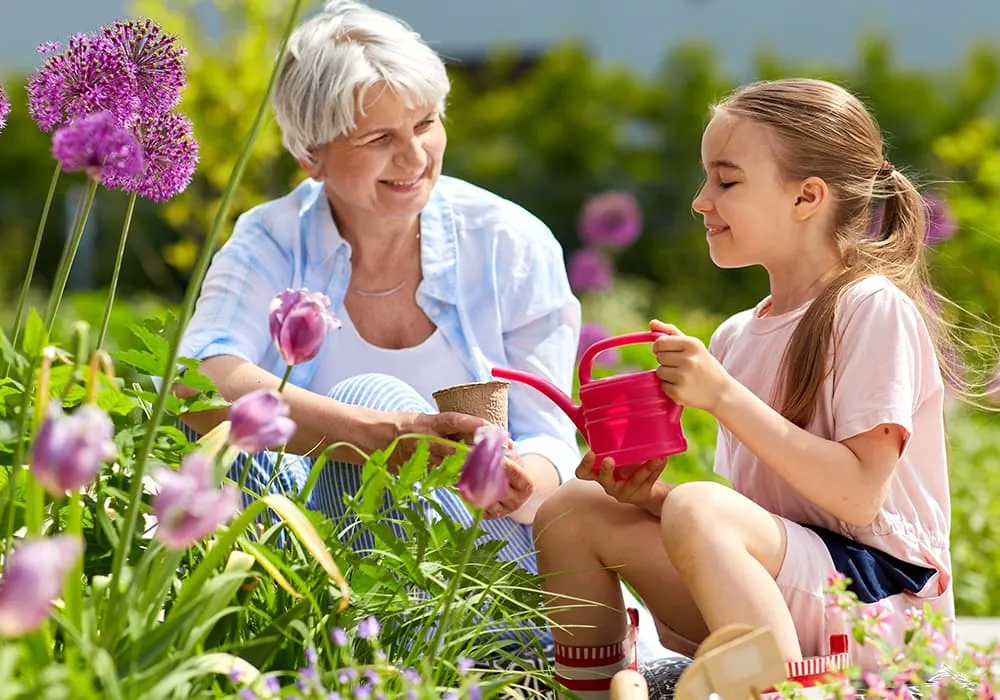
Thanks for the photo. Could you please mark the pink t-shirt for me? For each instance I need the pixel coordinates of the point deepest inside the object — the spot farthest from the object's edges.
(884, 371)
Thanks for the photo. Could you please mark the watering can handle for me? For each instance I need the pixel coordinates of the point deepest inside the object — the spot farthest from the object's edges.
(587, 361)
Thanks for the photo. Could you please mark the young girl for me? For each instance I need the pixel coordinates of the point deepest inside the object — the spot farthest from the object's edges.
(829, 397)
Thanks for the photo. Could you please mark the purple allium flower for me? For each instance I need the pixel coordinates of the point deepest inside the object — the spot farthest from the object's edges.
(171, 157)
(473, 692)
(369, 628)
(188, 507)
(272, 685)
(339, 636)
(611, 220)
(347, 675)
(260, 421)
(311, 656)
(69, 449)
(591, 333)
(363, 692)
(90, 76)
(247, 694)
(484, 480)
(449, 695)
(411, 676)
(48, 47)
(589, 271)
(157, 60)
(372, 676)
(300, 321)
(4, 108)
(465, 665)
(98, 145)
(940, 223)
(33, 577)
(333, 695)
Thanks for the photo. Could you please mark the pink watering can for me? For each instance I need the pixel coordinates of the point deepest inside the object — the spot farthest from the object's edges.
(626, 417)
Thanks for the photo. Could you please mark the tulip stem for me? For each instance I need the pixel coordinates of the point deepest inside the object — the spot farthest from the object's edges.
(22, 298)
(187, 309)
(35, 508)
(72, 594)
(68, 255)
(284, 378)
(453, 584)
(114, 275)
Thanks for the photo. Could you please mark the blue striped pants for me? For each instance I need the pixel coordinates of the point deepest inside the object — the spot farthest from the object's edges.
(381, 393)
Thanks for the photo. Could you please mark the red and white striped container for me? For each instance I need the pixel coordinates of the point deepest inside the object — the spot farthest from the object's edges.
(816, 672)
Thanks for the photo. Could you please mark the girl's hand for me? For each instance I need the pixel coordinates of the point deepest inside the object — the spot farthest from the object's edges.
(690, 375)
(638, 485)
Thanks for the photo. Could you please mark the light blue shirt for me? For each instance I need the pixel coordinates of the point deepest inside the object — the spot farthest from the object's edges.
(494, 283)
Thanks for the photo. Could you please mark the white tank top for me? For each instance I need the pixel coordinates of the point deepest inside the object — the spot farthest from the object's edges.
(427, 367)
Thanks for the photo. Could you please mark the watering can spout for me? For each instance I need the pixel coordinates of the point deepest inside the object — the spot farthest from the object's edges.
(557, 397)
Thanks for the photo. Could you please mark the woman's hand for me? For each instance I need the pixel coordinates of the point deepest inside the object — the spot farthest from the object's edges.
(636, 485)
(689, 374)
(520, 487)
(452, 426)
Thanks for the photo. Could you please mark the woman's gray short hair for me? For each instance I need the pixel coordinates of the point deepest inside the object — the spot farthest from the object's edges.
(335, 57)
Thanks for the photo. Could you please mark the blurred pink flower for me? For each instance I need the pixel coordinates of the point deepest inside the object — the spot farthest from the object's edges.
(484, 481)
(260, 421)
(33, 577)
(940, 224)
(589, 271)
(591, 333)
(4, 108)
(69, 449)
(188, 506)
(300, 321)
(611, 220)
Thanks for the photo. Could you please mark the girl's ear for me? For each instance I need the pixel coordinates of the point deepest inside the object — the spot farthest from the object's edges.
(811, 197)
(313, 168)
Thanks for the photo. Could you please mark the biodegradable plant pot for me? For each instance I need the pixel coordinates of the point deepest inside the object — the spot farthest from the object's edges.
(487, 400)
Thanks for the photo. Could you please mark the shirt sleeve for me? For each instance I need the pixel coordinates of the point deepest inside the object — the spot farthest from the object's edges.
(541, 331)
(231, 316)
(881, 358)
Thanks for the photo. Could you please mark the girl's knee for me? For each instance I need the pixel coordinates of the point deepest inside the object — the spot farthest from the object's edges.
(566, 507)
(692, 513)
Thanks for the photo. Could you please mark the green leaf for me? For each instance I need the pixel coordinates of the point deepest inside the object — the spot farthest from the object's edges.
(35, 337)
(154, 342)
(143, 361)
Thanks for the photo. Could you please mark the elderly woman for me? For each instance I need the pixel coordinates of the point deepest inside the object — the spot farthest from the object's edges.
(434, 280)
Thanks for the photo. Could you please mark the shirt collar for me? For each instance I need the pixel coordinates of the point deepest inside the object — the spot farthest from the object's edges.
(438, 238)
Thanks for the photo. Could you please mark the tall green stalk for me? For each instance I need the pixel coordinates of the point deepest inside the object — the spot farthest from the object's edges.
(187, 309)
(118, 268)
(22, 298)
(69, 255)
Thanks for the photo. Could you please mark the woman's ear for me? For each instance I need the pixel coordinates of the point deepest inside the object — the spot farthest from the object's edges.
(811, 197)
(312, 167)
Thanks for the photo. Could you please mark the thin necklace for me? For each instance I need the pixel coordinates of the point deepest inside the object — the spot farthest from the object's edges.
(384, 293)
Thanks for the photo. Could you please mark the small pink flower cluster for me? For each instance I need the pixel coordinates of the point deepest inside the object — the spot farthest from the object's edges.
(928, 665)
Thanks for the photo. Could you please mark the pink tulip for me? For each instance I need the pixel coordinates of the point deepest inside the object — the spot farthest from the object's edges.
(69, 449)
(188, 506)
(300, 321)
(484, 480)
(260, 421)
(34, 577)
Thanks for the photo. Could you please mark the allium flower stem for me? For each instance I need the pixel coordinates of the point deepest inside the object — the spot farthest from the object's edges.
(69, 254)
(117, 271)
(73, 594)
(26, 284)
(131, 516)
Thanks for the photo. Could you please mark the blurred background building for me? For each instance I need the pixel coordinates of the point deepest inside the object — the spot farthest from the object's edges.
(924, 32)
